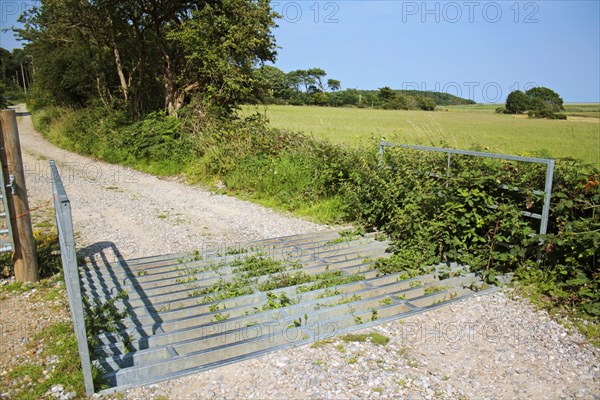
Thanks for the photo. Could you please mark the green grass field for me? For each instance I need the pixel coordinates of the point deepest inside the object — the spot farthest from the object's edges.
(455, 126)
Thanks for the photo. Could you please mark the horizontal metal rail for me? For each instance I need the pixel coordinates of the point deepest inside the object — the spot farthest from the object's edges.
(549, 162)
(64, 222)
(546, 161)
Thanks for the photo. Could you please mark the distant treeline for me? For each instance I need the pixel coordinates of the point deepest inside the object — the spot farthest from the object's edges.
(312, 87)
(15, 73)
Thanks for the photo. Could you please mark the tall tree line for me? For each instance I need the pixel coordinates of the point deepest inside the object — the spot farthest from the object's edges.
(147, 55)
(15, 74)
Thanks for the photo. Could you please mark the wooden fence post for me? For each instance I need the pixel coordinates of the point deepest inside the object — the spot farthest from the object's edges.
(25, 260)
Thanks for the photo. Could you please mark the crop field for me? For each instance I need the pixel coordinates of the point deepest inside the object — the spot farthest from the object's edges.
(466, 127)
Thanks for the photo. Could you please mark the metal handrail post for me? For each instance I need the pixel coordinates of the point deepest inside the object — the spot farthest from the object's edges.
(64, 222)
(547, 197)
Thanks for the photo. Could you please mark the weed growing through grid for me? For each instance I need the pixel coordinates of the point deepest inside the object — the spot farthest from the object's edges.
(373, 337)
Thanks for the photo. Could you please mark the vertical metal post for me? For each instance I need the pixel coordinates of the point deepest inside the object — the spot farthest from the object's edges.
(448, 170)
(64, 222)
(547, 196)
(381, 152)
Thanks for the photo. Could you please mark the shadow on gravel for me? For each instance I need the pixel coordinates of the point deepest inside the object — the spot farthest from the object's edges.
(105, 282)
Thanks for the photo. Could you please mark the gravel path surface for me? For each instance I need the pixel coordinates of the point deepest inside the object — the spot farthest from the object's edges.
(492, 347)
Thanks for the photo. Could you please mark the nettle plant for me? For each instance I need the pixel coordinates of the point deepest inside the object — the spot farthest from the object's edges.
(472, 215)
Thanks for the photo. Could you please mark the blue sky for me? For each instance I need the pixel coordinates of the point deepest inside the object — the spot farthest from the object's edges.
(476, 49)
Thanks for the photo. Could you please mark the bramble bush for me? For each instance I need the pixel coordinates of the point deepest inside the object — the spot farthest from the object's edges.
(474, 217)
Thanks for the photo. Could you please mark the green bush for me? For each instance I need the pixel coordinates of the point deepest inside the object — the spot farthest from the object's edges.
(3, 102)
(426, 103)
(47, 249)
(38, 99)
(282, 169)
(469, 218)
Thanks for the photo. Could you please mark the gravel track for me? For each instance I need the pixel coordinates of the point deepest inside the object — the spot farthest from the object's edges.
(492, 347)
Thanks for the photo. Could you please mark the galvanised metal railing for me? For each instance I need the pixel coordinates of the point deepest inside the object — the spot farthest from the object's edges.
(543, 217)
(64, 222)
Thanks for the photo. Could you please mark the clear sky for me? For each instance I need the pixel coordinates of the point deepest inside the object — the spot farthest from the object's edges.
(476, 49)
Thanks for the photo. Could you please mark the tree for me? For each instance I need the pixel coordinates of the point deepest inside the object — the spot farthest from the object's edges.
(334, 85)
(517, 102)
(317, 74)
(303, 77)
(3, 103)
(294, 79)
(319, 99)
(540, 102)
(139, 51)
(386, 94)
(221, 44)
(12, 77)
(426, 103)
(276, 81)
(544, 99)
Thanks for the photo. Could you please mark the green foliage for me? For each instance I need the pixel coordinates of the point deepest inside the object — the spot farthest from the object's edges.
(279, 168)
(254, 266)
(540, 102)
(141, 57)
(409, 262)
(157, 138)
(274, 301)
(373, 337)
(542, 98)
(517, 102)
(283, 280)
(426, 103)
(334, 85)
(101, 318)
(11, 76)
(329, 279)
(224, 289)
(307, 87)
(472, 218)
(222, 43)
(386, 94)
(156, 144)
(3, 102)
(47, 250)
